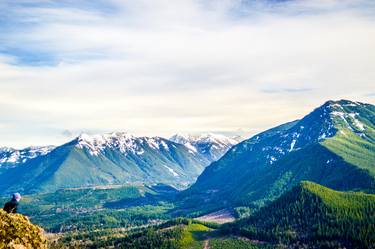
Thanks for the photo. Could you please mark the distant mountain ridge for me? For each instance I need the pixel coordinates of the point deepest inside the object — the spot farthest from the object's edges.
(212, 146)
(112, 158)
(9, 157)
(334, 146)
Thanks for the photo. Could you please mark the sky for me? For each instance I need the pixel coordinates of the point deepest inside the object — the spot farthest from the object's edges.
(159, 67)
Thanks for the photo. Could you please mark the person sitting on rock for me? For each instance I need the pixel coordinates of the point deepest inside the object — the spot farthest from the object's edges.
(11, 206)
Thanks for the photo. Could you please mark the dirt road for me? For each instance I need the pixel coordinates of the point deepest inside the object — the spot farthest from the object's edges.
(206, 245)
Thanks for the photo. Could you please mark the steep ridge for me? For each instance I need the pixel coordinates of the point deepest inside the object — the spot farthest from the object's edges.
(116, 158)
(314, 216)
(334, 145)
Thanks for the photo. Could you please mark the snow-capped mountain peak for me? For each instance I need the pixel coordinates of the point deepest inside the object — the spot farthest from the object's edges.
(115, 158)
(180, 138)
(332, 118)
(203, 138)
(212, 145)
(342, 115)
(216, 138)
(122, 141)
(348, 114)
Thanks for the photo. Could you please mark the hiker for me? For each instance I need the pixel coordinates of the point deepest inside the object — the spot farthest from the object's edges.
(11, 206)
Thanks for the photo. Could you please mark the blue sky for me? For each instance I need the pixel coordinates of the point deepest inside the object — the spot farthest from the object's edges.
(160, 67)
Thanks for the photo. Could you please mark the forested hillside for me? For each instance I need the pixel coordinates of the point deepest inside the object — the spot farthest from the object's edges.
(313, 216)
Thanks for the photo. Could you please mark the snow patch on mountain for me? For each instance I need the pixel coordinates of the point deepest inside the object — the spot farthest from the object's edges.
(211, 145)
(171, 171)
(292, 145)
(124, 142)
(321, 124)
(215, 139)
(165, 146)
(11, 156)
(357, 123)
(141, 152)
(203, 138)
(344, 110)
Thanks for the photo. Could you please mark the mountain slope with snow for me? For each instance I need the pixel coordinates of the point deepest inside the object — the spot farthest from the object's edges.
(10, 158)
(212, 146)
(115, 158)
(334, 146)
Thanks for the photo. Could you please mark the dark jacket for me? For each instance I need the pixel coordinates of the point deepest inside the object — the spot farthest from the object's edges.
(11, 207)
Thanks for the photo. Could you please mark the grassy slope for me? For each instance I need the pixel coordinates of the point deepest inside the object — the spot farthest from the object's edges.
(353, 149)
(193, 236)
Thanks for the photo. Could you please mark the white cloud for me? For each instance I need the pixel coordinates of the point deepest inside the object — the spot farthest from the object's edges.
(159, 67)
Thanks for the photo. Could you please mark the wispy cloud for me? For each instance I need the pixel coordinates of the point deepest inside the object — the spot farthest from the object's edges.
(287, 90)
(159, 67)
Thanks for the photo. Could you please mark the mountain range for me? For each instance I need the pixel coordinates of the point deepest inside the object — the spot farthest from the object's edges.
(115, 158)
(334, 146)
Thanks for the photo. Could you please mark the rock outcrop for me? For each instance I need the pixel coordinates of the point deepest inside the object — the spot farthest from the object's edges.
(17, 232)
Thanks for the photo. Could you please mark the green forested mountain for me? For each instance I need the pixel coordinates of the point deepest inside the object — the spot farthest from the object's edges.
(314, 216)
(334, 146)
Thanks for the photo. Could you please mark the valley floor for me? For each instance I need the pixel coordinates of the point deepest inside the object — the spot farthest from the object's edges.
(186, 234)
